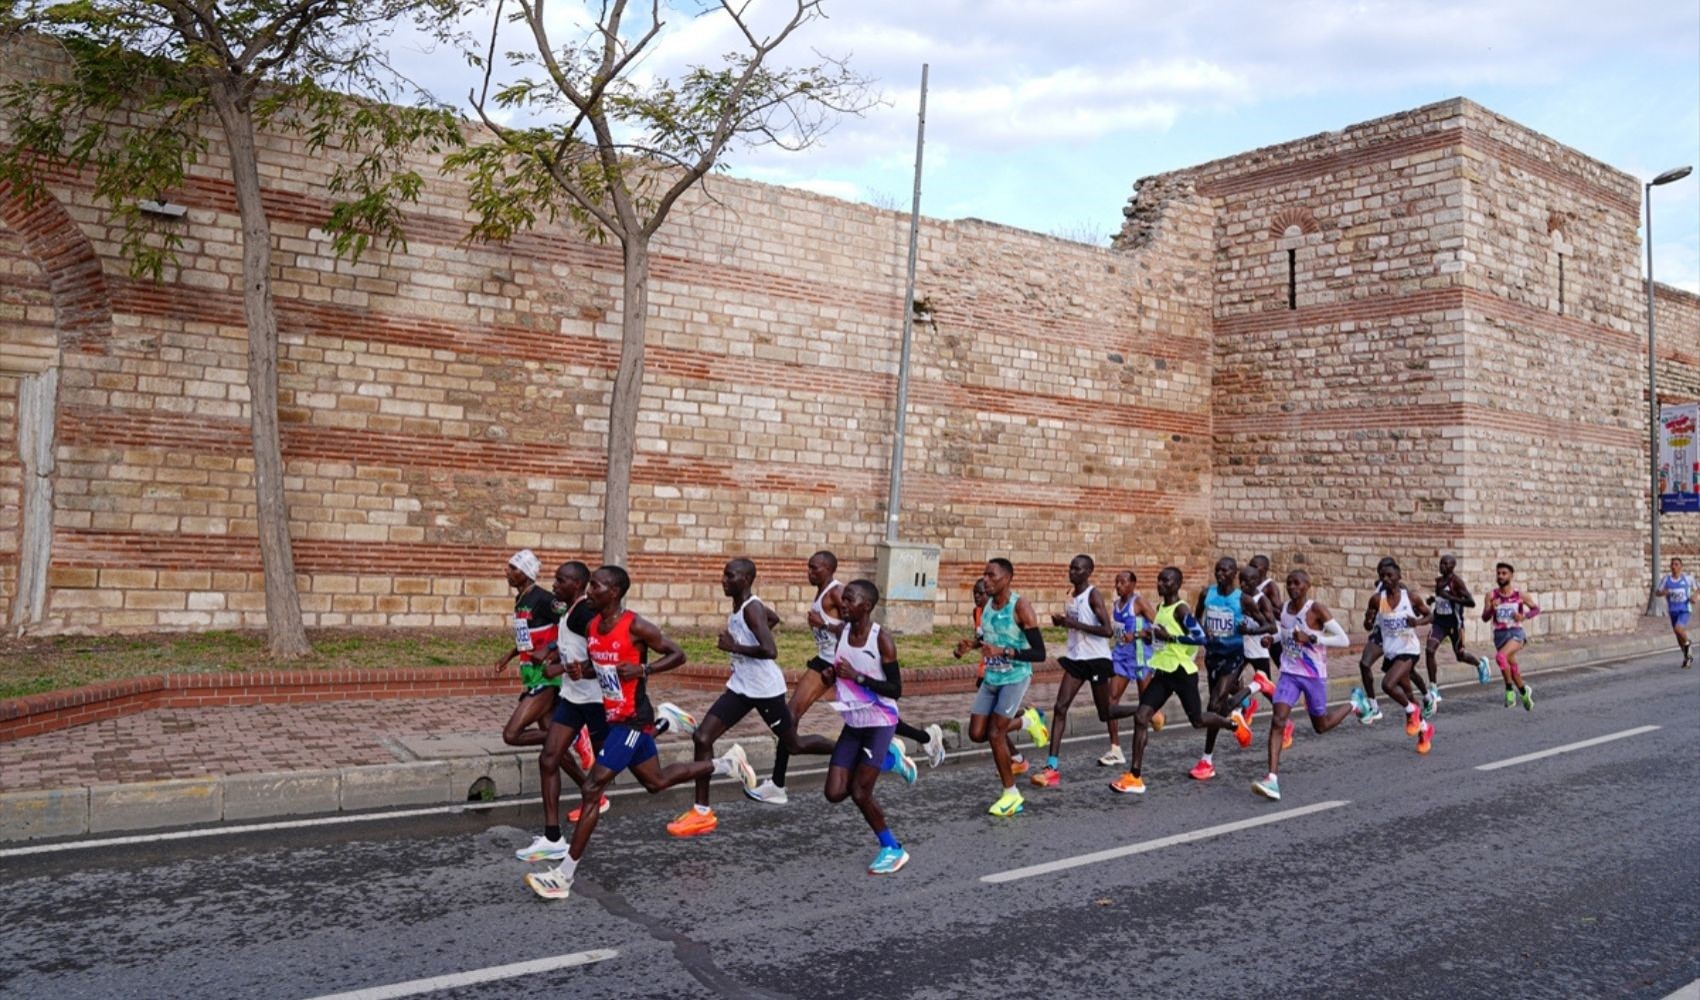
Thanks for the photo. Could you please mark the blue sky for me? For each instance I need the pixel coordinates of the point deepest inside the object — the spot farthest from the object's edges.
(1042, 115)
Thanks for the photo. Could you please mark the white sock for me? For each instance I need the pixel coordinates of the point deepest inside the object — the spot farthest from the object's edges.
(1207, 758)
(1270, 776)
(701, 810)
(722, 766)
(1412, 707)
(568, 867)
(1017, 759)
(1008, 788)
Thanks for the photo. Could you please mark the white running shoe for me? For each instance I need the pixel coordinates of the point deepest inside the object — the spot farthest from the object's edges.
(543, 849)
(551, 884)
(769, 792)
(740, 765)
(671, 718)
(1112, 758)
(935, 746)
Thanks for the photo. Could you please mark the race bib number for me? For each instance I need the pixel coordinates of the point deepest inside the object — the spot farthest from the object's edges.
(1442, 606)
(609, 680)
(1219, 623)
(522, 634)
(1505, 614)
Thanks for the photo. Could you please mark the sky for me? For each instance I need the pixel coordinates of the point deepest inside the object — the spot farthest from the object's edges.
(1043, 115)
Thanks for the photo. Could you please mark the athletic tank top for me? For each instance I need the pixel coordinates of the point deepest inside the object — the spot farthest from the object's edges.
(576, 649)
(1443, 606)
(1171, 656)
(863, 708)
(1082, 646)
(751, 677)
(998, 628)
(826, 640)
(1398, 638)
(1678, 591)
(1505, 608)
(1222, 614)
(1296, 659)
(1129, 650)
(626, 701)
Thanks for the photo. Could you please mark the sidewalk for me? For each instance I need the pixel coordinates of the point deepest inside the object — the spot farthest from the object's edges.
(170, 767)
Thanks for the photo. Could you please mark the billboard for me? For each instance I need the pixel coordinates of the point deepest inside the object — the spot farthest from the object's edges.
(1679, 458)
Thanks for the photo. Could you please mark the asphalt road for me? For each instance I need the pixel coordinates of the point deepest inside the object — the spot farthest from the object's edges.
(1573, 875)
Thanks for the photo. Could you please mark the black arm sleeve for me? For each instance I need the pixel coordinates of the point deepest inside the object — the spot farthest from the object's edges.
(1035, 653)
(891, 687)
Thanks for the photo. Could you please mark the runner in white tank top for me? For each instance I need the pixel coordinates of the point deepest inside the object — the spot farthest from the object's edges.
(1398, 613)
(1088, 661)
(869, 682)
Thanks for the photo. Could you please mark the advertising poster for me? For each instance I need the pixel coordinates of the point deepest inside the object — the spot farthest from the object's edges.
(1679, 460)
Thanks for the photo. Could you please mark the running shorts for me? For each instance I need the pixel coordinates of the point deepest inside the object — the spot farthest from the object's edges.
(538, 689)
(1501, 636)
(1679, 619)
(1091, 671)
(732, 706)
(862, 746)
(591, 718)
(1372, 649)
(1447, 628)
(1131, 669)
(1389, 662)
(1224, 659)
(1001, 699)
(824, 668)
(1173, 682)
(625, 747)
(1314, 690)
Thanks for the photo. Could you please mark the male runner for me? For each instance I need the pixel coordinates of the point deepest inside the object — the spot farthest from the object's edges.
(1398, 615)
(1173, 634)
(1508, 608)
(1011, 643)
(1677, 589)
(1264, 594)
(619, 646)
(1030, 716)
(1306, 630)
(1373, 651)
(869, 682)
(1088, 626)
(534, 624)
(1130, 656)
(1451, 597)
(1230, 615)
(756, 683)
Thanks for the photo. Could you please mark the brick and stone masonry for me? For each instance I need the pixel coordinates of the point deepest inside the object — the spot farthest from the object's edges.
(1423, 390)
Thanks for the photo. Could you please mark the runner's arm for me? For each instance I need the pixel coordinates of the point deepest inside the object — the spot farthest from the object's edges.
(1105, 627)
(1370, 610)
(892, 686)
(1460, 594)
(1420, 606)
(1530, 608)
(1029, 624)
(654, 641)
(759, 619)
(1143, 608)
(1261, 622)
(1192, 633)
(1333, 634)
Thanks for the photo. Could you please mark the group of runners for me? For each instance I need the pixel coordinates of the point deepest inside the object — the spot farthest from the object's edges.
(586, 661)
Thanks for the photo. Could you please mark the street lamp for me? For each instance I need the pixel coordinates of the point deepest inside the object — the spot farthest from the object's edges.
(1674, 174)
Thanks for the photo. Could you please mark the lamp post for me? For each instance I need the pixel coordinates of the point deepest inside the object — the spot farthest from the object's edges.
(1674, 174)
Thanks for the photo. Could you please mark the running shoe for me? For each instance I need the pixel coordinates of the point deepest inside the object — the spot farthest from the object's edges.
(741, 768)
(1242, 732)
(670, 717)
(1364, 705)
(1484, 670)
(1687, 658)
(888, 860)
(1048, 778)
(1434, 689)
(693, 824)
(1425, 737)
(1430, 701)
(586, 753)
(543, 849)
(1128, 784)
(1413, 722)
(1374, 714)
(1269, 787)
(1157, 722)
(1287, 736)
(1018, 765)
(1510, 697)
(1263, 684)
(897, 760)
(601, 808)
(1008, 804)
(1112, 757)
(1202, 771)
(935, 746)
(769, 793)
(1033, 721)
(1250, 710)
(551, 884)
(1528, 697)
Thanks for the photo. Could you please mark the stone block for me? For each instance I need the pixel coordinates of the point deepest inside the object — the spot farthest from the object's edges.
(144, 805)
(48, 812)
(415, 783)
(283, 793)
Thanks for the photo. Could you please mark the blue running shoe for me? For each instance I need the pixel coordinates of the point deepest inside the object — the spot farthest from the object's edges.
(888, 860)
(1483, 671)
(1268, 787)
(897, 761)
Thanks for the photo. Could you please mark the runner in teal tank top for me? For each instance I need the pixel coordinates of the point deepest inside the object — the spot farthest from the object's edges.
(1010, 643)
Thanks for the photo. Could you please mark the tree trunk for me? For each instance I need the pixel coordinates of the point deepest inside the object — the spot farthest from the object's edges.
(623, 407)
(288, 636)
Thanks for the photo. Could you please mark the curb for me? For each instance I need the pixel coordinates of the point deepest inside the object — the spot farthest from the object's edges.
(78, 811)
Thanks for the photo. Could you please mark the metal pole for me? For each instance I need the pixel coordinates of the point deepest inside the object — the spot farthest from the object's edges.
(1652, 411)
(894, 496)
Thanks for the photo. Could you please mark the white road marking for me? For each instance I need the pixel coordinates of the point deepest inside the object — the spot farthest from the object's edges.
(1689, 992)
(1142, 847)
(1596, 741)
(457, 980)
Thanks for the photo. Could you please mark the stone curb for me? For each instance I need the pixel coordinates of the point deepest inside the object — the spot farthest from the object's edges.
(72, 812)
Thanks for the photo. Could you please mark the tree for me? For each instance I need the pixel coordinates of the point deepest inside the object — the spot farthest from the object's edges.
(614, 154)
(150, 83)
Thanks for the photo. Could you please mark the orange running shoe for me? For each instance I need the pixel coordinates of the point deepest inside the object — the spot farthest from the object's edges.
(1048, 778)
(1263, 684)
(1127, 784)
(1413, 722)
(1287, 736)
(1156, 722)
(572, 817)
(1250, 710)
(1202, 771)
(1018, 767)
(586, 753)
(1242, 732)
(693, 824)
(1425, 738)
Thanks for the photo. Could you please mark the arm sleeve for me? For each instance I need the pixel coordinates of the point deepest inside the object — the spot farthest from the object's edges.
(1334, 635)
(1035, 653)
(1534, 609)
(1192, 634)
(891, 687)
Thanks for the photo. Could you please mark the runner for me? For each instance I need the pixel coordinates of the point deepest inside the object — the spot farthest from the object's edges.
(1398, 615)
(534, 623)
(1508, 608)
(869, 682)
(756, 683)
(1306, 630)
(1254, 583)
(1373, 651)
(1173, 634)
(578, 717)
(1089, 627)
(1451, 597)
(1011, 643)
(619, 647)
(1130, 655)
(1230, 616)
(1678, 589)
(1017, 763)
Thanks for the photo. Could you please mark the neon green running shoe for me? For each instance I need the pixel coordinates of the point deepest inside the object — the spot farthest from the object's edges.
(1007, 804)
(1033, 721)
(1528, 697)
(1510, 697)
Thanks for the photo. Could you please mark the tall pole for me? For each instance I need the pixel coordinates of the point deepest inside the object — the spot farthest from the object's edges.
(894, 496)
(1652, 411)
